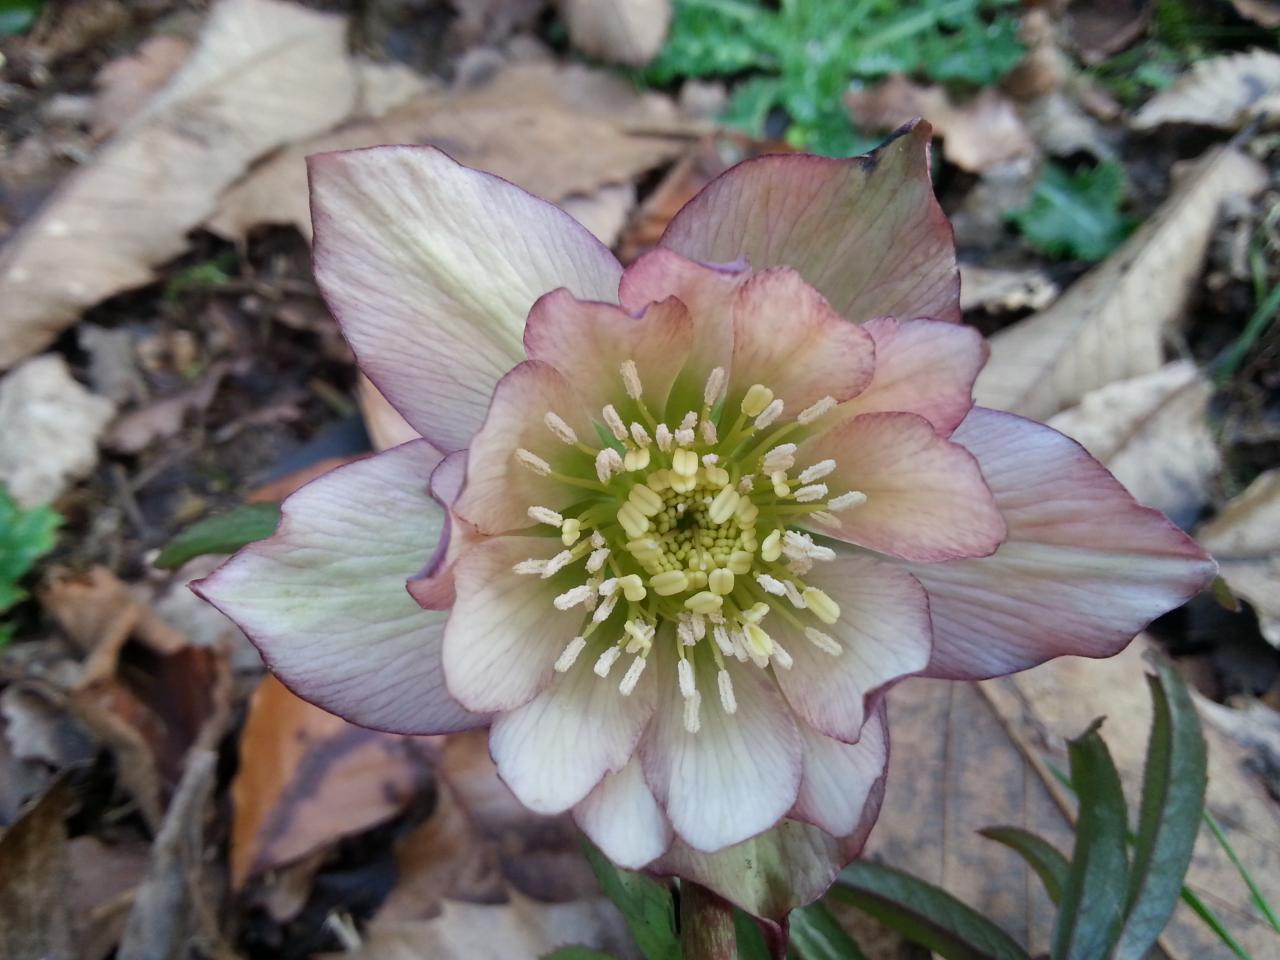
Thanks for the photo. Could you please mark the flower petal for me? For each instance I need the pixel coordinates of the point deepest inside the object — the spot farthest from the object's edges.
(433, 586)
(867, 231)
(738, 775)
(504, 632)
(787, 337)
(588, 341)
(926, 499)
(624, 820)
(430, 268)
(499, 489)
(839, 777)
(324, 598)
(885, 633)
(1084, 568)
(925, 367)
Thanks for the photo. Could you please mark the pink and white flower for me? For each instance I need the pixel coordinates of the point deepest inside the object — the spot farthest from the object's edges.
(673, 531)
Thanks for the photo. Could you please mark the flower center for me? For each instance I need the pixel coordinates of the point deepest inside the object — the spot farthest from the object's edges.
(683, 536)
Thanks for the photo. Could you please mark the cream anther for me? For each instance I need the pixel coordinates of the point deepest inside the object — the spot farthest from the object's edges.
(595, 562)
(810, 493)
(664, 437)
(817, 471)
(684, 673)
(571, 598)
(723, 506)
(569, 656)
(854, 498)
(570, 531)
(614, 422)
(757, 398)
(709, 435)
(819, 409)
(692, 713)
(606, 661)
(534, 462)
(823, 607)
(632, 520)
(771, 548)
(690, 421)
(758, 642)
(645, 499)
(605, 610)
(632, 587)
(557, 563)
(781, 657)
(608, 462)
(740, 562)
(828, 519)
(727, 700)
(631, 379)
(793, 594)
(636, 459)
(720, 582)
(781, 457)
(779, 480)
(685, 463)
(640, 435)
(641, 634)
(769, 415)
(771, 585)
(669, 583)
(720, 634)
(704, 602)
(526, 567)
(562, 430)
(823, 642)
(632, 676)
(714, 389)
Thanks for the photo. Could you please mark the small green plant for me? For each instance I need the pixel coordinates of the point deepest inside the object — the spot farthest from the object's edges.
(25, 537)
(1076, 214)
(804, 55)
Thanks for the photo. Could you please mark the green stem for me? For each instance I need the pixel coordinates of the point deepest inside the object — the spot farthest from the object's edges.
(706, 925)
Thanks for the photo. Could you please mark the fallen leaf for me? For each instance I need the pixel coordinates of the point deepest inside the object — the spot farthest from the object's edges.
(488, 21)
(1100, 28)
(980, 133)
(1111, 323)
(999, 291)
(516, 126)
(38, 727)
(1153, 433)
(163, 418)
(102, 885)
(1245, 540)
(386, 427)
(50, 426)
(308, 778)
(264, 73)
(127, 83)
(37, 918)
(1263, 12)
(970, 756)
(1224, 92)
(604, 211)
(629, 32)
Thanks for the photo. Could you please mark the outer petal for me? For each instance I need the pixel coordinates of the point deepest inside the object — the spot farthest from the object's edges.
(867, 232)
(624, 820)
(926, 498)
(588, 342)
(433, 586)
(839, 777)
(504, 633)
(555, 749)
(430, 268)
(787, 337)
(886, 634)
(324, 598)
(1083, 570)
(926, 367)
(738, 775)
(499, 489)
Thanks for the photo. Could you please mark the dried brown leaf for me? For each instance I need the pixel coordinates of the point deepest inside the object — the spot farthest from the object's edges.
(127, 83)
(1111, 323)
(1263, 12)
(264, 73)
(1099, 28)
(1224, 92)
(630, 32)
(997, 291)
(1245, 539)
(35, 916)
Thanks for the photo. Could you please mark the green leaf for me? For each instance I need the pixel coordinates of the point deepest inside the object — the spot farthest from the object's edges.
(750, 938)
(1092, 904)
(18, 15)
(817, 935)
(577, 953)
(1076, 214)
(1043, 857)
(1255, 892)
(646, 905)
(225, 533)
(25, 537)
(924, 914)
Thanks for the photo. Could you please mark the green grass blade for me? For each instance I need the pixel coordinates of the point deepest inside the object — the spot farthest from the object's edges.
(1049, 863)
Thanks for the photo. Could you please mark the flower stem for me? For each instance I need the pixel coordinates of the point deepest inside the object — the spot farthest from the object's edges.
(706, 925)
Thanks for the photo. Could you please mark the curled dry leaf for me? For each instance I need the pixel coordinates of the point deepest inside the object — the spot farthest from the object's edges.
(1110, 325)
(1224, 92)
(127, 83)
(1245, 540)
(50, 426)
(265, 72)
(980, 133)
(1153, 433)
(999, 291)
(307, 779)
(629, 32)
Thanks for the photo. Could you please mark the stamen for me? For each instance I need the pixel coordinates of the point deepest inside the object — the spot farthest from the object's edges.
(562, 430)
(710, 459)
(632, 587)
(557, 563)
(771, 548)
(636, 459)
(746, 485)
(823, 642)
(723, 506)
(571, 598)
(684, 673)
(817, 471)
(645, 500)
(814, 491)
(714, 389)
(608, 462)
(631, 379)
(780, 486)
(771, 585)
(758, 642)
(746, 513)
(569, 656)
(727, 700)
(739, 641)
(704, 602)
(769, 415)
(664, 437)
(570, 531)
(781, 657)
(781, 457)
(684, 630)
(717, 476)
(801, 545)
(827, 519)
(614, 422)
(692, 707)
(641, 634)
(794, 595)
(633, 521)
(606, 661)
(530, 566)
(819, 409)
(720, 581)
(685, 463)
(720, 634)
(534, 462)
(740, 562)
(757, 398)
(640, 435)
(823, 607)
(854, 498)
(669, 583)
(699, 625)
(605, 609)
(709, 435)
(690, 421)
(632, 676)
(595, 562)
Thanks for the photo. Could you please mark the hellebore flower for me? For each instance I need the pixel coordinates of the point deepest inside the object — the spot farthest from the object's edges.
(687, 522)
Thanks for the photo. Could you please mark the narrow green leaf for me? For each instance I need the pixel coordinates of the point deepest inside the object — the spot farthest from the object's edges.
(1255, 892)
(225, 533)
(1214, 923)
(1091, 909)
(751, 944)
(817, 935)
(1173, 785)
(646, 905)
(924, 914)
(1042, 856)
(577, 953)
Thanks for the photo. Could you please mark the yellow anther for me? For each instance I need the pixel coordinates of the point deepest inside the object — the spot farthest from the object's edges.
(740, 562)
(779, 480)
(771, 549)
(570, 531)
(760, 642)
(645, 500)
(757, 398)
(756, 612)
(685, 463)
(646, 548)
(658, 481)
(746, 512)
(682, 484)
(704, 602)
(632, 587)
(723, 506)
(637, 459)
(720, 582)
(640, 632)
(697, 579)
(669, 583)
(823, 607)
(633, 521)
(717, 476)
